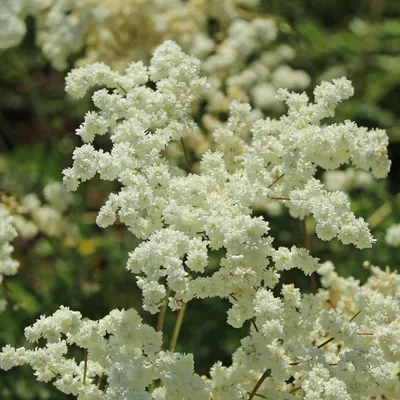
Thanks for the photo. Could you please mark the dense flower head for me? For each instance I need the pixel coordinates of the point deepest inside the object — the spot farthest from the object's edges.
(181, 215)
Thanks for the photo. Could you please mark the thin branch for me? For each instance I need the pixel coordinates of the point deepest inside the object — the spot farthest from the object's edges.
(279, 198)
(186, 156)
(326, 342)
(233, 297)
(263, 377)
(258, 395)
(253, 322)
(276, 180)
(332, 338)
(354, 316)
(123, 89)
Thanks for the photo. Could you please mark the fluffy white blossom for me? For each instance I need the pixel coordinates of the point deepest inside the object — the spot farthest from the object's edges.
(340, 343)
(119, 346)
(182, 216)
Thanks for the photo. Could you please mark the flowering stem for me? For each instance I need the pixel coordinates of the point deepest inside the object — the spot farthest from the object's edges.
(332, 338)
(326, 342)
(279, 198)
(152, 386)
(314, 285)
(253, 322)
(264, 376)
(161, 314)
(295, 389)
(355, 315)
(186, 156)
(276, 180)
(177, 328)
(99, 381)
(233, 297)
(85, 359)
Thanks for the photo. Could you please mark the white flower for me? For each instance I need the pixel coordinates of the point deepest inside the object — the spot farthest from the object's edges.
(393, 236)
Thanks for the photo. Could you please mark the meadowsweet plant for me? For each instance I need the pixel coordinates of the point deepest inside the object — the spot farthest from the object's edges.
(341, 342)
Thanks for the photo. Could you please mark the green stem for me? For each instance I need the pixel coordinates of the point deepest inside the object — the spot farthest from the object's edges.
(161, 314)
(85, 359)
(276, 180)
(314, 285)
(152, 386)
(177, 328)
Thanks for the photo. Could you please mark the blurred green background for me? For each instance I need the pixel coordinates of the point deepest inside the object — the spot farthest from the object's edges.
(332, 38)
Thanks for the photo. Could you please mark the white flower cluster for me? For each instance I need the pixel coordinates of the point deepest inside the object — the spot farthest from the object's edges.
(182, 216)
(332, 214)
(8, 266)
(119, 349)
(393, 236)
(45, 218)
(341, 344)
